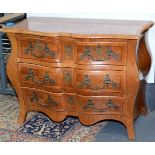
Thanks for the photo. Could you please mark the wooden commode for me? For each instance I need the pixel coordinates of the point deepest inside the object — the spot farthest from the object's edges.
(87, 68)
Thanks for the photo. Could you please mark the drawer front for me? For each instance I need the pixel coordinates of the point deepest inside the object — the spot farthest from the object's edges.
(39, 77)
(42, 99)
(40, 48)
(107, 83)
(101, 53)
(46, 78)
(101, 105)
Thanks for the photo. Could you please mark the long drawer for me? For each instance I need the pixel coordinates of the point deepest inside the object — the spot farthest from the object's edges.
(72, 102)
(82, 82)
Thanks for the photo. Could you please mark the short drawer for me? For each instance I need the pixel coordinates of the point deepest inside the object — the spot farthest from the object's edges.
(40, 77)
(43, 99)
(39, 48)
(113, 53)
(46, 78)
(107, 83)
(101, 105)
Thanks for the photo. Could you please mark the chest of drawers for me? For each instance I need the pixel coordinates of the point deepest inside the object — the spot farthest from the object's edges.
(79, 67)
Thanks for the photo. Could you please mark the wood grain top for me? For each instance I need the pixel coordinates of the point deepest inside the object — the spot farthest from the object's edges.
(81, 28)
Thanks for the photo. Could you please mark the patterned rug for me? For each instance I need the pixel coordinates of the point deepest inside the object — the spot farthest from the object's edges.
(39, 128)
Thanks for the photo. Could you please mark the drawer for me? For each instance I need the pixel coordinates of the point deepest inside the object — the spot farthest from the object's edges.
(40, 77)
(107, 83)
(43, 99)
(101, 105)
(39, 48)
(113, 53)
(46, 78)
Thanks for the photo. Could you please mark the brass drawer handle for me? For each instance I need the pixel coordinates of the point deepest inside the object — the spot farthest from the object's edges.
(102, 53)
(46, 78)
(109, 106)
(39, 50)
(49, 101)
(86, 83)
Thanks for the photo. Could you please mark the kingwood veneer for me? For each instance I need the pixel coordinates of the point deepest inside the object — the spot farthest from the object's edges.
(79, 67)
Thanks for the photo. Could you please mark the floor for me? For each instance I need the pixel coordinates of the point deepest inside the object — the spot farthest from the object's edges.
(116, 132)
